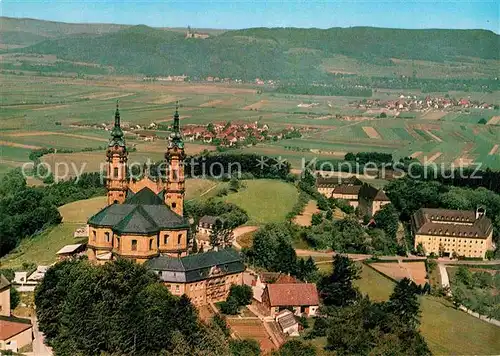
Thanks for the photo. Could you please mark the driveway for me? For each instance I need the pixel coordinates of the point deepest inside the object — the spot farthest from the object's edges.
(39, 347)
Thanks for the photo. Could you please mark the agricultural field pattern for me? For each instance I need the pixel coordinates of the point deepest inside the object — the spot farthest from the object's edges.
(62, 113)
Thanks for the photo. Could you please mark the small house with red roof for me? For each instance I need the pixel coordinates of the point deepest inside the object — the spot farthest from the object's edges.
(300, 298)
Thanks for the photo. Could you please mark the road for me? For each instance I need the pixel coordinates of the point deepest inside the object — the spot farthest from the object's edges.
(39, 348)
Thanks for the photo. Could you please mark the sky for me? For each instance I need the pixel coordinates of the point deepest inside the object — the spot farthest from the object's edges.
(234, 14)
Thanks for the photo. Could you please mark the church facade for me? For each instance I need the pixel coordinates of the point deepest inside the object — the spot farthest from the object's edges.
(144, 218)
(144, 221)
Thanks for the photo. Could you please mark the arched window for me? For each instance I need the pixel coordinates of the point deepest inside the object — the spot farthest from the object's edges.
(115, 172)
(174, 205)
(179, 239)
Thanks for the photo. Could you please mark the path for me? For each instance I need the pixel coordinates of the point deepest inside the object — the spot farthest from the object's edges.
(241, 230)
(445, 280)
(39, 347)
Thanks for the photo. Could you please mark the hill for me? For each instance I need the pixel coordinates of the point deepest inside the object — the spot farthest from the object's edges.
(271, 53)
(278, 53)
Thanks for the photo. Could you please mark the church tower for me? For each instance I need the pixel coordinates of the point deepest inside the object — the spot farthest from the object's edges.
(174, 192)
(116, 157)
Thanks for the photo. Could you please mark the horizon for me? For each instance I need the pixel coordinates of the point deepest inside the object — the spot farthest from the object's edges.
(227, 15)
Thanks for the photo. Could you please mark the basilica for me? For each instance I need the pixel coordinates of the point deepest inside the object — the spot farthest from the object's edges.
(144, 221)
(143, 218)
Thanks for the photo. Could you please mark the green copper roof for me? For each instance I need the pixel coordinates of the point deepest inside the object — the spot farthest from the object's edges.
(143, 213)
(117, 138)
(146, 197)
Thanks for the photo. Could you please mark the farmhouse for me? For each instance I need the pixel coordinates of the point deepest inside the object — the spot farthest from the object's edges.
(302, 298)
(453, 232)
(14, 332)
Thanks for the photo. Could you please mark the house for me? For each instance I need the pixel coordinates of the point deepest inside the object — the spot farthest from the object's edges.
(301, 298)
(204, 277)
(326, 185)
(453, 232)
(207, 223)
(346, 192)
(371, 199)
(4, 296)
(287, 322)
(15, 333)
(69, 251)
(258, 281)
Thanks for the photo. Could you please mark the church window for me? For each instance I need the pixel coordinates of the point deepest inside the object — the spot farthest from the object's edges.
(151, 244)
(179, 239)
(174, 175)
(134, 245)
(117, 242)
(94, 235)
(107, 236)
(165, 239)
(174, 205)
(115, 172)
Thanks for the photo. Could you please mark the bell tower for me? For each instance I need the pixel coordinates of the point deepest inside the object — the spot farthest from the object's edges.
(175, 184)
(116, 158)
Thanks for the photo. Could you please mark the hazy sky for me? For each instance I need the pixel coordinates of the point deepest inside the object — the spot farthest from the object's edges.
(270, 13)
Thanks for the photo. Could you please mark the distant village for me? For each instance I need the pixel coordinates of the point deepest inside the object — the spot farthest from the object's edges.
(224, 134)
(413, 103)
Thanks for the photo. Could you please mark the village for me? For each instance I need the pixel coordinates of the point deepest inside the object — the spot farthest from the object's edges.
(414, 103)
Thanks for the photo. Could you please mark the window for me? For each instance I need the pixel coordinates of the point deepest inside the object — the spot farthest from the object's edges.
(94, 235)
(165, 239)
(117, 242)
(177, 289)
(179, 239)
(160, 273)
(151, 244)
(115, 172)
(174, 205)
(174, 175)
(107, 236)
(134, 245)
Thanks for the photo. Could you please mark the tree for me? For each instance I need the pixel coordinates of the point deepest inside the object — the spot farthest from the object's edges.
(230, 306)
(420, 249)
(404, 304)
(221, 235)
(295, 348)
(15, 298)
(387, 219)
(234, 184)
(245, 347)
(337, 289)
(317, 218)
(243, 294)
(82, 309)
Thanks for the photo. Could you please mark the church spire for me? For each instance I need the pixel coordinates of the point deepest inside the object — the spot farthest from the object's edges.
(175, 136)
(117, 115)
(117, 133)
(176, 118)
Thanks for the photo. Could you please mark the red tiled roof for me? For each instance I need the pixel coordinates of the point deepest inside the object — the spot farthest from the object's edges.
(293, 294)
(10, 327)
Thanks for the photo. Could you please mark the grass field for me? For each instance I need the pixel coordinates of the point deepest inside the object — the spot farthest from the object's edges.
(265, 200)
(447, 331)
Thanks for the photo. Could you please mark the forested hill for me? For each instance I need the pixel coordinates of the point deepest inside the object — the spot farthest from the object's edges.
(278, 53)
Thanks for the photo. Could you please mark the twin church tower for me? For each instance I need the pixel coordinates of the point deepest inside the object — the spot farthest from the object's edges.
(143, 218)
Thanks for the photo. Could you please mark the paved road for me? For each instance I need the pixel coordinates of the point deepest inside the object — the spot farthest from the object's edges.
(39, 348)
(445, 280)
